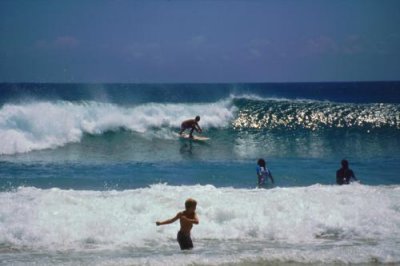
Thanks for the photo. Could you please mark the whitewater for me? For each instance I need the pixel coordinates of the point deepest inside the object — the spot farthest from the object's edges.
(316, 224)
(42, 125)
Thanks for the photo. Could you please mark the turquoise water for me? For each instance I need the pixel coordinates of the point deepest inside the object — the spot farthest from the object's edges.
(87, 169)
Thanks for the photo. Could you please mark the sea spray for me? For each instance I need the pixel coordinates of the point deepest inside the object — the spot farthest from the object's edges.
(43, 125)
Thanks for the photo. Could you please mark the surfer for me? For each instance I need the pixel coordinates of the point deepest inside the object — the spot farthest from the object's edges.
(345, 174)
(187, 218)
(263, 173)
(191, 124)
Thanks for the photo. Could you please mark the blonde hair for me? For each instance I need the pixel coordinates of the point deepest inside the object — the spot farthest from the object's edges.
(190, 203)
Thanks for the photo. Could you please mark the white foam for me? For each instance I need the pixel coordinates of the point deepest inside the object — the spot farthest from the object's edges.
(255, 97)
(42, 125)
(348, 224)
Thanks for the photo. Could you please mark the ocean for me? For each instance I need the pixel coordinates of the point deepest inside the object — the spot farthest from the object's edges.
(87, 169)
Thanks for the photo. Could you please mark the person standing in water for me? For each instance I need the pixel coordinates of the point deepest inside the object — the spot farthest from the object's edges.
(344, 175)
(263, 173)
(191, 124)
(187, 218)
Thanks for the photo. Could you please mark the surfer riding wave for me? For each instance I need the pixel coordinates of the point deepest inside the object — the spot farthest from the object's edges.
(191, 124)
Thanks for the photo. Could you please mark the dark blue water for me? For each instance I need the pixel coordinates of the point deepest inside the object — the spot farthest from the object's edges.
(352, 92)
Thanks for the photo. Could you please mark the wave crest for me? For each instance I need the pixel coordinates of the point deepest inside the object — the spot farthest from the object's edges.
(313, 115)
(42, 125)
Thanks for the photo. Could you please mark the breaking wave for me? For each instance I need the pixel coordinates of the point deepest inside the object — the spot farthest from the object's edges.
(43, 125)
(257, 223)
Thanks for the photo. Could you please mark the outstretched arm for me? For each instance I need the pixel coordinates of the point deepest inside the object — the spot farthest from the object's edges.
(170, 221)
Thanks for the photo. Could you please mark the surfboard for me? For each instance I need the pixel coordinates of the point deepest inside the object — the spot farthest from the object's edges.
(196, 138)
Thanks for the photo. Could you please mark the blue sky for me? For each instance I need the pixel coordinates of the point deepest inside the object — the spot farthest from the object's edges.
(199, 41)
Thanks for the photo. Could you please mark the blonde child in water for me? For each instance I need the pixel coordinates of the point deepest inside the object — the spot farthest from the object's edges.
(187, 218)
